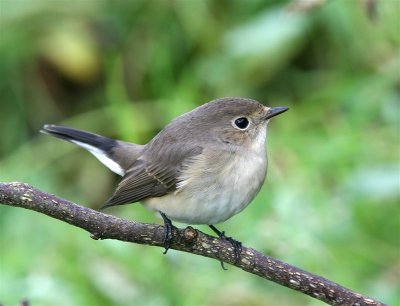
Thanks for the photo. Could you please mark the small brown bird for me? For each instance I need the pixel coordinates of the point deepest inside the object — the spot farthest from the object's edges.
(202, 168)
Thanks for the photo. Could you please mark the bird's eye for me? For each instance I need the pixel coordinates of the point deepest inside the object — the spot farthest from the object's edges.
(242, 123)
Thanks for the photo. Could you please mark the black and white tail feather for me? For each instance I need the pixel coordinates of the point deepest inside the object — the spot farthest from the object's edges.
(106, 150)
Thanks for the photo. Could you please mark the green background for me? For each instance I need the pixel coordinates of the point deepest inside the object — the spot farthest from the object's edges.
(124, 69)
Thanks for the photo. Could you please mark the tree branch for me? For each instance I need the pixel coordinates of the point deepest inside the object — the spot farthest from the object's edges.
(102, 226)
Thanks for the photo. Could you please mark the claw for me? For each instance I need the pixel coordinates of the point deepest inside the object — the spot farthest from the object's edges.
(237, 245)
(167, 232)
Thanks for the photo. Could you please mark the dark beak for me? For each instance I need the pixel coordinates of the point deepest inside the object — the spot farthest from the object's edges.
(274, 111)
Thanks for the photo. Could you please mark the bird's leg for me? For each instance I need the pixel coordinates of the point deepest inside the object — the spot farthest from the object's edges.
(237, 245)
(167, 232)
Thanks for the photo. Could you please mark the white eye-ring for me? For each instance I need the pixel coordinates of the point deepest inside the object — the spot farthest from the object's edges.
(241, 123)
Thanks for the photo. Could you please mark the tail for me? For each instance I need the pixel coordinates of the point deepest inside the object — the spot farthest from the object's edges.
(116, 155)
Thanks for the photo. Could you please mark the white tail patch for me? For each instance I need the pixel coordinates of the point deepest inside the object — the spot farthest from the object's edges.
(102, 157)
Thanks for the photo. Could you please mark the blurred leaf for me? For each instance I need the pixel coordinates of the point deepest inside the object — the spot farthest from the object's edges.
(71, 49)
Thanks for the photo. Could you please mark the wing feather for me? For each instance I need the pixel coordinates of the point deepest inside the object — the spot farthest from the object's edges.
(147, 179)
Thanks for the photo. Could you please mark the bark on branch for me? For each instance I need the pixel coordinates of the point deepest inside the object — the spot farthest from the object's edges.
(102, 226)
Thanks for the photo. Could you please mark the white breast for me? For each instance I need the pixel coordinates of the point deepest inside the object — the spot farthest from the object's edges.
(216, 187)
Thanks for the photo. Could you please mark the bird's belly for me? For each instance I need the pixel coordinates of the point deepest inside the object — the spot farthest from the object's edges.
(214, 197)
(197, 209)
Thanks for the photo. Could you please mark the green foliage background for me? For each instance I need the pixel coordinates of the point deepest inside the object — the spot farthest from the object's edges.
(126, 68)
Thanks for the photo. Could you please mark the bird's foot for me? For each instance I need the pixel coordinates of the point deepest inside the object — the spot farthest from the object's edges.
(167, 232)
(237, 245)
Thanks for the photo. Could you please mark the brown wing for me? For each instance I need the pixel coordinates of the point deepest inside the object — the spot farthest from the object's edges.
(143, 181)
(146, 179)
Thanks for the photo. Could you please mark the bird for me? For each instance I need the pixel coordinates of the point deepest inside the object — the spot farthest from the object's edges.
(204, 167)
